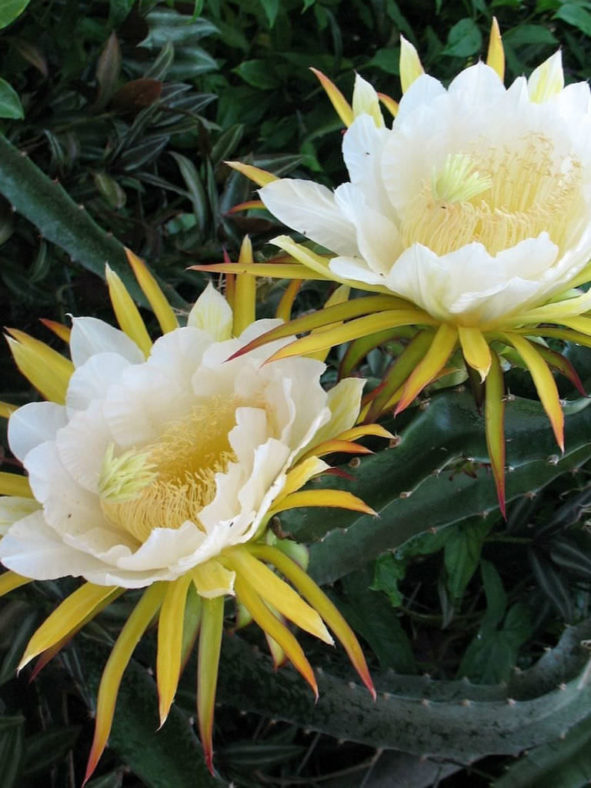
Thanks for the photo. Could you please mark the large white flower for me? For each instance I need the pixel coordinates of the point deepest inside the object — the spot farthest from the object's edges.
(158, 466)
(469, 220)
(475, 206)
(153, 466)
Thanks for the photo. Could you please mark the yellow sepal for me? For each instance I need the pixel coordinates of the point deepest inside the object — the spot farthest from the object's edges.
(6, 410)
(339, 499)
(127, 313)
(65, 618)
(132, 630)
(475, 349)
(434, 360)
(495, 57)
(14, 484)
(544, 383)
(270, 624)
(245, 291)
(338, 101)
(48, 371)
(410, 64)
(10, 580)
(275, 591)
(210, 642)
(151, 289)
(170, 641)
(312, 593)
(260, 177)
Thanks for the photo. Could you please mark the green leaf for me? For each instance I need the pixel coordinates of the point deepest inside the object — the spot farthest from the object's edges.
(575, 15)
(59, 218)
(45, 748)
(119, 10)
(10, 10)
(496, 598)
(388, 571)
(462, 554)
(464, 39)
(168, 25)
(522, 35)
(257, 73)
(271, 9)
(374, 619)
(10, 103)
(11, 750)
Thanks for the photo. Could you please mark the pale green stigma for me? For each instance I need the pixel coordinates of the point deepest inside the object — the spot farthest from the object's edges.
(458, 181)
(123, 478)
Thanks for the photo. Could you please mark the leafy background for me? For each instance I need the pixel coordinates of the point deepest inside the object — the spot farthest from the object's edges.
(116, 118)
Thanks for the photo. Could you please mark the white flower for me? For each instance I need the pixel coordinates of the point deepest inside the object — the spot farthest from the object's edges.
(475, 206)
(153, 466)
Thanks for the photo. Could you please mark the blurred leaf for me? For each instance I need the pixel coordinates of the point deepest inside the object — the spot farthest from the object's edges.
(168, 25)
(107, 70)
(10, 10)
(195, 188)
(496, 598)
(137, 94)
(464, 39)
(258, 74)
(19, 638)
(462, 554)
(119, 10)
(259, 755)
(374, 619)
(551, 582)
(11, 750)
(111, 780)
(522, 35)
(568, 555)
(10, 103)
(45, 748)
(388, 571)
(271, 9)
(109, 189)
(575, 15)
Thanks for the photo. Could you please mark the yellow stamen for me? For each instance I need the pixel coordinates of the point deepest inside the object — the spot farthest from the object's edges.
(498, 197)
(169, 481)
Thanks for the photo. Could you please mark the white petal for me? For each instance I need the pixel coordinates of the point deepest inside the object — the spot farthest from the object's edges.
(91, 380)
(363, 144)
(212, 313)
(355, 269)
(378, 239)
(81, 446)
(90, 336)
(424, 91)
(67, 506)
(33, 549)
(310, 209)
(33, 424)
(479, 84)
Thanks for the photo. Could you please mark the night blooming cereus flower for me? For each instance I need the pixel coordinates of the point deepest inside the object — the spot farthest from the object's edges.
(158, 467)
(470, 220)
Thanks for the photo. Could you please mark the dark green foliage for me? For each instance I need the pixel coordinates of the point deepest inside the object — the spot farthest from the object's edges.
(130, 109)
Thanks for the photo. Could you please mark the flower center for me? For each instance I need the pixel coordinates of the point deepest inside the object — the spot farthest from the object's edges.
(171, 480)
(497, 197)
